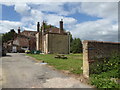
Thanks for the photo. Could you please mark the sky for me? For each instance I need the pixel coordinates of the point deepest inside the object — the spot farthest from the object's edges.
(85, 20)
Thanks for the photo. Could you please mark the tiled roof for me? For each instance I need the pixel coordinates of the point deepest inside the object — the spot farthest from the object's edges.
(55, 30)
(21, 41)
(29, 33)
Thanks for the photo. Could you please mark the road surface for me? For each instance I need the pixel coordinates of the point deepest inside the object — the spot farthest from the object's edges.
(20, 71)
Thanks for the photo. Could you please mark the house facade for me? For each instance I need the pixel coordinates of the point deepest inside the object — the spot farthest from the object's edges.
(25, 40)
(52, 39)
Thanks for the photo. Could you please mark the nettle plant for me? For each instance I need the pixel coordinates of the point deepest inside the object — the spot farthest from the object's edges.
(105, 72)
(105, 64)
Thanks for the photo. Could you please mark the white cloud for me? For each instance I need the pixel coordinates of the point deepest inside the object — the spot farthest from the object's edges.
(102, 29)
(21, 8)
(5, 25)
(107, 10)
(51, 7)
(38, 16)
(34, 16)
(36, 1)
(96, 30)
(54, 19)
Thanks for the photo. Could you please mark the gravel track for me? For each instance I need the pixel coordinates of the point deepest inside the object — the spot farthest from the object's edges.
(20, 71)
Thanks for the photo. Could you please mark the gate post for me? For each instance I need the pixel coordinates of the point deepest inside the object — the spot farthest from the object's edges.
(85, 59)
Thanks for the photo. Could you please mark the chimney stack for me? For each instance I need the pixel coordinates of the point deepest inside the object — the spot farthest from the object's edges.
(43, 26)
(61, 25)
(18, 30)
(38, 27)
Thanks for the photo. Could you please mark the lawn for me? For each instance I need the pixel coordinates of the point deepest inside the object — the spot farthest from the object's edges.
(73, 64)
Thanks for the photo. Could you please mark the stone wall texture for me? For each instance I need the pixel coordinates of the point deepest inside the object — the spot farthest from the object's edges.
(38, 41)
(58, 43)
(93, 50)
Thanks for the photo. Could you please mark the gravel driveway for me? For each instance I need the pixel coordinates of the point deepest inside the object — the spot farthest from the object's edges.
(20, 71)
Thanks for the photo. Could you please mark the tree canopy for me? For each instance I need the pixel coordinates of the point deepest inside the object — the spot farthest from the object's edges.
(75, 45)
(9, 36)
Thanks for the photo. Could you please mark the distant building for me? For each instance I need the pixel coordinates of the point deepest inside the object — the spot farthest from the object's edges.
(52, 39)
(25, 40)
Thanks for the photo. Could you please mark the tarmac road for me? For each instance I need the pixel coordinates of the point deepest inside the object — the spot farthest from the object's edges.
(20, 71)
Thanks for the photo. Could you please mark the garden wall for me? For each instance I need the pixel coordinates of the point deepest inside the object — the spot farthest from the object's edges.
(97, 50)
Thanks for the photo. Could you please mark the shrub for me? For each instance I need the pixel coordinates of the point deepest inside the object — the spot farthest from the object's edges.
(105, 65)
(105, 70)
(101, 82)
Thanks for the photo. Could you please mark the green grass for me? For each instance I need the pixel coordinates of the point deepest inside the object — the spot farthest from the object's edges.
(72, 64)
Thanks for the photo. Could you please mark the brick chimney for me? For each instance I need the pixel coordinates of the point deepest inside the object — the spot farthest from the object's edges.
(38, 26)
(61, 25)
(18, 30)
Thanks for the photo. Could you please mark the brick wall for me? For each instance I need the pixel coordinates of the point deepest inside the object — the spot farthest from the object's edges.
(94, 50)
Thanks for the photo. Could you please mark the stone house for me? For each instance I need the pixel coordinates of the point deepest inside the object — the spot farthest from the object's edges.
(25, 40)
(46, 39)
(52, 39)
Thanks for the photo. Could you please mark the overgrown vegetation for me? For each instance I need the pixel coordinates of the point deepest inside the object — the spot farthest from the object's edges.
(9, 36)
(106, 73)
(0, 41)
(75, 45)
(46, 26)
(0, 37)
(73, 64)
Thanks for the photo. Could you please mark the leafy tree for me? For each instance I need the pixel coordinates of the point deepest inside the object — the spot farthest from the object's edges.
(75, 45)
(9, 36)
(71, 38)
(46, 26)
(0, 36)
(0, 40)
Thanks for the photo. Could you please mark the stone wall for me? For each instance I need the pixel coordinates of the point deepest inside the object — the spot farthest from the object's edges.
(94, 50)
(58, 43)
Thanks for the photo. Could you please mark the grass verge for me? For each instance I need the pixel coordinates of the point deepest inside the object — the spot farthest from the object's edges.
(73, 64)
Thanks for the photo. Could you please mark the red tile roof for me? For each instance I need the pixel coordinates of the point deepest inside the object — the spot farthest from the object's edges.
(29, 33)
(21, 41)
(55, 30)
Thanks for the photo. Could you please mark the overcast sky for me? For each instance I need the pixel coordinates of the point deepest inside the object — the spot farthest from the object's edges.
(86, 20)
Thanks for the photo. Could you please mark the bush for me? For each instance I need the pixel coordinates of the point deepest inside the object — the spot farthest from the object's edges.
(105, 65)
(101, 82)
(105, 71)
(96, 67)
